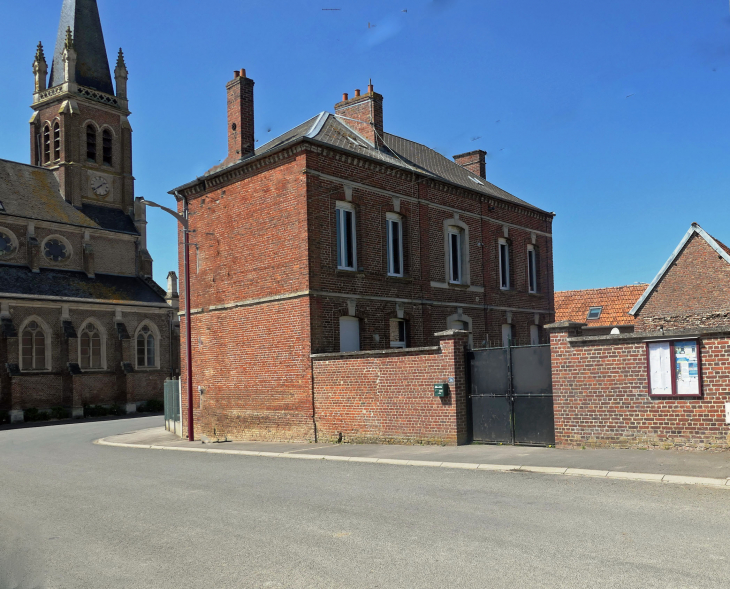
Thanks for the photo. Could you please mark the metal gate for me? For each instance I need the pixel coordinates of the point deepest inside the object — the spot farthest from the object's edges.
(512, 395)
(173, 421)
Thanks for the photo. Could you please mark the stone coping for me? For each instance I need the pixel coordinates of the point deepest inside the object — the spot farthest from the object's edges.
(366, 353)
(646, 336)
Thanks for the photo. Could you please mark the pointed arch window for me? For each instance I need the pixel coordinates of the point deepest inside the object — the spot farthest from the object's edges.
(91, 352)
(106, 138)
(146, 344)
(33, 347)
(46, 144)
(56, 141)
(91, 143)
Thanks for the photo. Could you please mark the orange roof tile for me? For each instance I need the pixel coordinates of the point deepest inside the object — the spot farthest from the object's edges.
(617, 301)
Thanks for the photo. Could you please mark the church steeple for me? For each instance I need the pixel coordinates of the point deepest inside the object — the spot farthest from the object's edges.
(80, 21)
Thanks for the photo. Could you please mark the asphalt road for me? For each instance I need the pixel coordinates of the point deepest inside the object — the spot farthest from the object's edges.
(77, 515)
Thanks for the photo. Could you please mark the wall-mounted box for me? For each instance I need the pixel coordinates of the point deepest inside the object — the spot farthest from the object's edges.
(727, 413)
(441, 390)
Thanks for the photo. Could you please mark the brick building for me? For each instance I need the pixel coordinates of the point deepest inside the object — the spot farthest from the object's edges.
(666, 384)
(81, 321)
(340, 238)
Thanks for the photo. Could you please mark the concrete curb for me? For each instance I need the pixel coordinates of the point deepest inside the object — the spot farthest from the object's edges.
(575, 472)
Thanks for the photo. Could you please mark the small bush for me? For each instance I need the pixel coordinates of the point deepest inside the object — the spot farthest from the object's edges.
(117, 410)
(95, 411)
(32, 414)
(4, 417)
(151, 406)
(60, 413)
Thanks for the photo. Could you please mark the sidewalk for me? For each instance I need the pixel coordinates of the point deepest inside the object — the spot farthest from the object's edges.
(668, 466)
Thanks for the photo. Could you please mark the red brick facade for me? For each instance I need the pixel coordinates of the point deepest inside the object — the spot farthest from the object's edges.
(601, 396)
(601, 383)
(267, 291)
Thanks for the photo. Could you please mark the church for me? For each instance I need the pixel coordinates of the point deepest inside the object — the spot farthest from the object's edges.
(81, 320)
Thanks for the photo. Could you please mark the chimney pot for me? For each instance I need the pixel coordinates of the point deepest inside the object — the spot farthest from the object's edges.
(357, 93)
(370, 87)
(236, 74)
(345, 96)
(243, 73)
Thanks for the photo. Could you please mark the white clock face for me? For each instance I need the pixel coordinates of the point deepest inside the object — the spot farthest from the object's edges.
(100, 186)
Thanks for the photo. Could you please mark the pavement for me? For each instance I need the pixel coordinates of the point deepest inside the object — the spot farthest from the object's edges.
(83, 515)
(666, 466)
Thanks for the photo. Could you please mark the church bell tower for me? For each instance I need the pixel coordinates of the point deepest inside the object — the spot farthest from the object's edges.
(80, 127)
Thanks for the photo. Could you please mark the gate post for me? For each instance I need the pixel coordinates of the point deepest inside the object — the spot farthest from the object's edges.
(454, 345)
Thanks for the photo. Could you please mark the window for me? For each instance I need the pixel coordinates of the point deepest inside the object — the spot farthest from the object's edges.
(534, 335)
(38, 148)
(7, 243)
(507, 335)
(594, 313)
(455, 256)
(56, 141)
(349, 334)
(674, 368)
(395, 244)
(106, 138)
(398, 333)
(91, 143)
(531, 269)
(504, 282)
(56, 249)
(46, 144)
(346, 247)
(461, 322)
(33, 347)
(146, 348)
(91, 351)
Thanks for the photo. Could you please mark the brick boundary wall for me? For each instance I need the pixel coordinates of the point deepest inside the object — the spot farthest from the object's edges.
(388, 395)
(600, 388)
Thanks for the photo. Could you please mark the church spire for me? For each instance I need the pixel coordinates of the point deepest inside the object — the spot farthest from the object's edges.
(81, 24)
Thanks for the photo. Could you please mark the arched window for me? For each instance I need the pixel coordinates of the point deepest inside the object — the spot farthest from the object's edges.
(33, 347)
(46, 144)
(56, 141)
(106, 137)
(146, 348)
(91, 351)
(91, 143)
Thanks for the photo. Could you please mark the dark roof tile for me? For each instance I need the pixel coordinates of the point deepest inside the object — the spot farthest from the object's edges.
(64, 283)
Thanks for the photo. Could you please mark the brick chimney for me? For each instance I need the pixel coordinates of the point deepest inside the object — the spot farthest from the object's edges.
(241, 142)
(364, 114)
(474, 161)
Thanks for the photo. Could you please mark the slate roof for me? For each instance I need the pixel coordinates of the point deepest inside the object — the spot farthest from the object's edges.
(402, 153)
(109, 218)
(30, 191)
(34, 193)
(64, 283)
(92, 63)
(617, 301)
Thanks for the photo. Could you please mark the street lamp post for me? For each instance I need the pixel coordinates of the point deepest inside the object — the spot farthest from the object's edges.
(183, 220)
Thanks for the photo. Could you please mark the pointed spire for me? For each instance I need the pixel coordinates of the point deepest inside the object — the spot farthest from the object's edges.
(121, 75)
(40, 69)
(69, 42)
(81, 25)
(40, 57)
(120, 61)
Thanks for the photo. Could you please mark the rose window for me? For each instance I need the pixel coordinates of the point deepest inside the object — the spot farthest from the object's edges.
(55, 250)
(6, 245)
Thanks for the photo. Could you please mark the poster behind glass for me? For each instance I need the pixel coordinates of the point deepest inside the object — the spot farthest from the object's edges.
(688, 377)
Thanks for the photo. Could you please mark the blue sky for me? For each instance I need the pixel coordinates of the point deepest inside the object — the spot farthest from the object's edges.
(614, 115)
